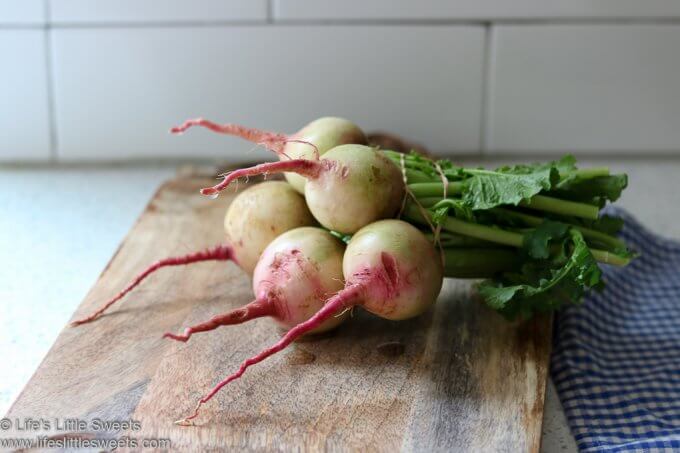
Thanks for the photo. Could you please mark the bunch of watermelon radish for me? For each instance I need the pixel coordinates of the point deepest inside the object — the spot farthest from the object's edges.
(355, 225)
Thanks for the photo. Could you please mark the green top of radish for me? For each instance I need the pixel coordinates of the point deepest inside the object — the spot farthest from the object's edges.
(536, 228)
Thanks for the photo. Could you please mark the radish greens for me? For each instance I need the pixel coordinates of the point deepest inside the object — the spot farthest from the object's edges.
(534, 231)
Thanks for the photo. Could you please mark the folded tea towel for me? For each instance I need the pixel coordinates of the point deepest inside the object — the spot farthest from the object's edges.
(616, 358)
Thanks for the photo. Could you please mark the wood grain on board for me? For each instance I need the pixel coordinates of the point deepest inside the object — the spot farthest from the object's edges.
(457, 378)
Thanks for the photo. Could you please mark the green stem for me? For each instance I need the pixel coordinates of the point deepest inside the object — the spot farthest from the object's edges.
(483, 232)
(563, 207)
(416, 176)
(606, 257)
(478, 262)
(588, 233)
(500, 236)
(409, 161)
(456, 240)
(435, 189)
(593, 172)
(428, 202)
(537, 202)
(474, 230)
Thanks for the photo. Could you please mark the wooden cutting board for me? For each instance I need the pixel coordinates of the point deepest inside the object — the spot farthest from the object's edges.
(457, 378)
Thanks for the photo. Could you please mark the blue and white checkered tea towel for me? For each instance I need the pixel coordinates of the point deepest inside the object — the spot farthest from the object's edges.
(616, 360)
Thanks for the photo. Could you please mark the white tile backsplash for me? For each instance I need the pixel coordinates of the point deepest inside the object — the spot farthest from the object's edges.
(23, 96)
(471, 9)
(104, 11)
(118, 91)
(22, 12)
(461, 76)
(585, 88)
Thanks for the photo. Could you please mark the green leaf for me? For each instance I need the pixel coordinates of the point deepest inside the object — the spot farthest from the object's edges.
(544, 285)
(511, 184)
(596, 190)
(440, 214)
(487, 189)
(564, 166)
(537, 242)
(441, 210)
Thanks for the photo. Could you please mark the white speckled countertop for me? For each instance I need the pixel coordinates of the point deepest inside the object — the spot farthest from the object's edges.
(60, 226)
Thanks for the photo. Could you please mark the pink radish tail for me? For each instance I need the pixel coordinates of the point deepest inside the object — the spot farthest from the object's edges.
(218, 253)
(346, 298)
(255, 309)
(270, 140)
(307, 168)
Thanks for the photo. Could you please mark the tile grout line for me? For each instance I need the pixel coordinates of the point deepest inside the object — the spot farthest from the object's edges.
(488, 67)
(49, 79)
(484, 94)
(269, 19)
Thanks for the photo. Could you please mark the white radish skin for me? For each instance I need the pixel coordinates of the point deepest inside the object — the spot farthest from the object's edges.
(297, 272)
(360, 187)
(326, 133)
(348, 188)
(258, 215)
(397, 268)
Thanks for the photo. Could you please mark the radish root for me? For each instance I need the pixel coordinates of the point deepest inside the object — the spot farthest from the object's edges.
(255, 309)
(271, 140)
(307, 168)
(218, 253)
(342, 300)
